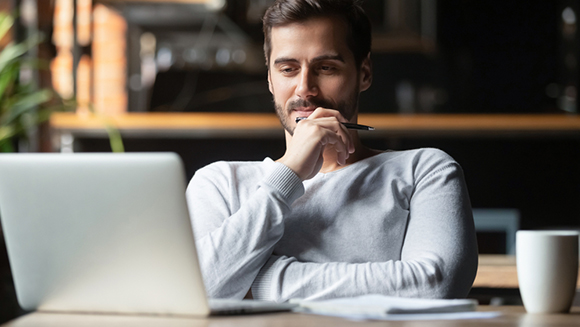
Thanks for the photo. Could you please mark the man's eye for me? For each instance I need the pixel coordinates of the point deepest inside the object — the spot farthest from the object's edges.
(326, 69)
(287, 70)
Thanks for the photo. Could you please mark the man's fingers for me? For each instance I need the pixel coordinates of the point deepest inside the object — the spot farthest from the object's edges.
(337, 128)
(342, 151)
(347, 137)
(333, 116)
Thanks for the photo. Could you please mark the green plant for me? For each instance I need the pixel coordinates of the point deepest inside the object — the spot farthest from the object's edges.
(115, 139)
(22, 104)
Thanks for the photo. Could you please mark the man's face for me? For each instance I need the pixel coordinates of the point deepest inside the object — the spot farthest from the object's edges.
(311, 66)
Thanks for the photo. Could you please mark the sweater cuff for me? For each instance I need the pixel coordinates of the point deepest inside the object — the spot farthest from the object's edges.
(285, 181)
(262, 286)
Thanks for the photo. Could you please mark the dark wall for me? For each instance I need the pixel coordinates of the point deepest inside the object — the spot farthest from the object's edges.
(491, 57)
(500, 55)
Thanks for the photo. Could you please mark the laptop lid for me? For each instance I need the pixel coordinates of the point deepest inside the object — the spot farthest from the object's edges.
(100, 232)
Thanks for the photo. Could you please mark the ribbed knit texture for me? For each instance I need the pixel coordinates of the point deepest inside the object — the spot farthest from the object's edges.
(285, 181)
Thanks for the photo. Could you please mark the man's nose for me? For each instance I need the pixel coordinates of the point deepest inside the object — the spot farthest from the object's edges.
(307, 85)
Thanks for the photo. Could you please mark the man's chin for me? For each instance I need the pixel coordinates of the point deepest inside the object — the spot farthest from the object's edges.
(287, 124)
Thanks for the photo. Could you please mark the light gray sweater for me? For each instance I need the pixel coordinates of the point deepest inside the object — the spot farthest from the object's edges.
(398, 223)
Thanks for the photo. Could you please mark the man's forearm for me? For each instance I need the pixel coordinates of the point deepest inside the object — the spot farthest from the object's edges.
(284, 278)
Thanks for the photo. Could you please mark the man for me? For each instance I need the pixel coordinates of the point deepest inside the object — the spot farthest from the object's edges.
(331, 218)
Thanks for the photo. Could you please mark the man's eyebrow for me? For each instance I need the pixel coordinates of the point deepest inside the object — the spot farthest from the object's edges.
(284, 60)
(328, 57)
(319, 58)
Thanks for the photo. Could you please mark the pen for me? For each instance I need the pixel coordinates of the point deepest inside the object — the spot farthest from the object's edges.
(347, 125)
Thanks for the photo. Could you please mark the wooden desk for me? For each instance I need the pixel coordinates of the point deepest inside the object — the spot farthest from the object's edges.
(512, 316)
(498, 271)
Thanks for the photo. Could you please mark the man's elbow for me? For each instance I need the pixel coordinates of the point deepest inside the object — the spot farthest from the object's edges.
(460, 279)
(448, 280)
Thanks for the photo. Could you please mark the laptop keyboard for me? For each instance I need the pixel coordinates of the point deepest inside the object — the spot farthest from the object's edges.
(227, 306)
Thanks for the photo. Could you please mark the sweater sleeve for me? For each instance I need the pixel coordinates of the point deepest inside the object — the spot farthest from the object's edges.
(438, 258)
(233, 246)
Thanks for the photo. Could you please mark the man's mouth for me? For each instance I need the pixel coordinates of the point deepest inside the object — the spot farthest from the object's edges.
(302, 108)
(303, 112)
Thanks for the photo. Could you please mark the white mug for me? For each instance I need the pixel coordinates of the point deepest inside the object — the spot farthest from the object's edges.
(547, 265)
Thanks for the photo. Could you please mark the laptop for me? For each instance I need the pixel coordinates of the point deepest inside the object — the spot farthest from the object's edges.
(105, 233)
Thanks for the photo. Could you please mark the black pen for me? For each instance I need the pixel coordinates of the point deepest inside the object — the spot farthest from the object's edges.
(347, 125)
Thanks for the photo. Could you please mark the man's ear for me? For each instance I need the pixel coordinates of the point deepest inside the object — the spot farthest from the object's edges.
(366, 73)
(270, 82)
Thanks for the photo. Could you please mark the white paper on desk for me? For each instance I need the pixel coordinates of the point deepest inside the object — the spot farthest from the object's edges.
(410, 316)
(376, 306)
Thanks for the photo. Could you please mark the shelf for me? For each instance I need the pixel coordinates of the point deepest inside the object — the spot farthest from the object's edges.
(473, 124)
(156, 1)
(194, 125)
(206, 125)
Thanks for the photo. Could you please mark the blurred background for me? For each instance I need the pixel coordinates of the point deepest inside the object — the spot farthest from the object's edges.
(429, 56)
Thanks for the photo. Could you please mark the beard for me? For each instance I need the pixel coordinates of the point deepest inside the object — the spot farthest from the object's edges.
(347, 108)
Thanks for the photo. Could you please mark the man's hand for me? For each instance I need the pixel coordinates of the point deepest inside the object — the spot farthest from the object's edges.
(322, 130)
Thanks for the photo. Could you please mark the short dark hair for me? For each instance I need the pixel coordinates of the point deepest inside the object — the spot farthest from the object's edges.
(284, 12)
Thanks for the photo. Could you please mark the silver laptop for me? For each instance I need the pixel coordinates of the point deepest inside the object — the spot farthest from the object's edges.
(103, 232)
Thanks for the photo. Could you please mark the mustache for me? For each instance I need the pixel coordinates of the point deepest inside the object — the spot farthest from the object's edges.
(299, 103)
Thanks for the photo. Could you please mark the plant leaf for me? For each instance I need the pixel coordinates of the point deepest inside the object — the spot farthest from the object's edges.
(115, 138)
(7, 79)
(13, 51)
(6, 146)
(10, 53)
(6, 22)
(44, 114)
(6, 132)
(26, 103)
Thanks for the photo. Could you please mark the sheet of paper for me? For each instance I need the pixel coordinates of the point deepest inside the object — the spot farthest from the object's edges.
(409, 317)
(381, 304)
(380, 307)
